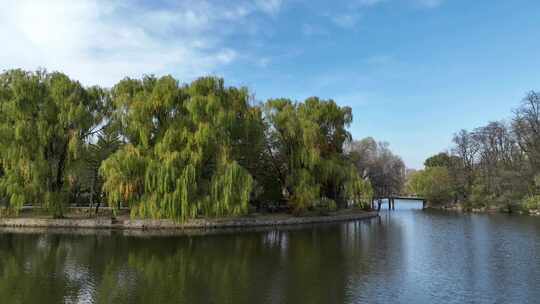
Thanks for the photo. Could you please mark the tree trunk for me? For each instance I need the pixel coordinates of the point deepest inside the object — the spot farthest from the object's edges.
(97, 207)
(59, 183)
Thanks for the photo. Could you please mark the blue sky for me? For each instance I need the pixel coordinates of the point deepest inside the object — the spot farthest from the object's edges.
(413, 71)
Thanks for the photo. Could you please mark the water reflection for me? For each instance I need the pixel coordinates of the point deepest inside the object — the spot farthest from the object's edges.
(405, 256)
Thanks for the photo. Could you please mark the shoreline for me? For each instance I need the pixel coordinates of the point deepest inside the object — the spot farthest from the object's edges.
(276, 220)
(486, 210)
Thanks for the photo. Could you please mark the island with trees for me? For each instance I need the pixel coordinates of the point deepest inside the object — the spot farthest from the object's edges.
(159, 149)
(156, 149)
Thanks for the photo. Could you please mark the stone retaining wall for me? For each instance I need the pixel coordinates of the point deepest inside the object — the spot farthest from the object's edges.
(60, 223)
(138, 224)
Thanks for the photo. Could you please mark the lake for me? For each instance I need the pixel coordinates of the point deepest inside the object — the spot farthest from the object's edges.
(405, 256)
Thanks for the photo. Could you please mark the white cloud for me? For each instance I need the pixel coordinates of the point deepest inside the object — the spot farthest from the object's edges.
(100, 42)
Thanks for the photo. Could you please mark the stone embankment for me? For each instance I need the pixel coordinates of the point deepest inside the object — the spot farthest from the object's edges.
(206, 223)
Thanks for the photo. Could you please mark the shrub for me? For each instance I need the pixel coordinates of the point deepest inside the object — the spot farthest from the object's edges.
(531, 202)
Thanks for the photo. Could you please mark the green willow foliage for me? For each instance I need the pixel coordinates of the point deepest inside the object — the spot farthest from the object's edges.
(44, 120)
(434, 184)
(182, 155)
(174, 151)
(306, 141)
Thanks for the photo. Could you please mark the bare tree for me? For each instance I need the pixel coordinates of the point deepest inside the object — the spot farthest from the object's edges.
(466, 149)
(375, 161)
(526, 125)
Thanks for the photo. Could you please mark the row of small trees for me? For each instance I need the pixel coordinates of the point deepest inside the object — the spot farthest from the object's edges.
(168, 150)
(497, 165)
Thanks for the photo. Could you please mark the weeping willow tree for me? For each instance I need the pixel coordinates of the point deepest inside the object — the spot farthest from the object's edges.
(306, 141)
(167, 150)
(359, 191)
(44, 120)
(85, 177)
(186, 148)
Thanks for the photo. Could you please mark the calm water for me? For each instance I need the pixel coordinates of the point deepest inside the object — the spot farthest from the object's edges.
(406, 256)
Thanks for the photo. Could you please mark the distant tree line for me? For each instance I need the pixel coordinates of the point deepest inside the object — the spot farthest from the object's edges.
(497, 165)
(178, 151)
(376, 163)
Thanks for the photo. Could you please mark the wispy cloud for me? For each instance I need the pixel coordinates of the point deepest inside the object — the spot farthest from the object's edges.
(269, 6)
(429, 3)
(346, 20)
(309, 29)
(379, 60)
(103, 41)
(367, 2)
(354, 9)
